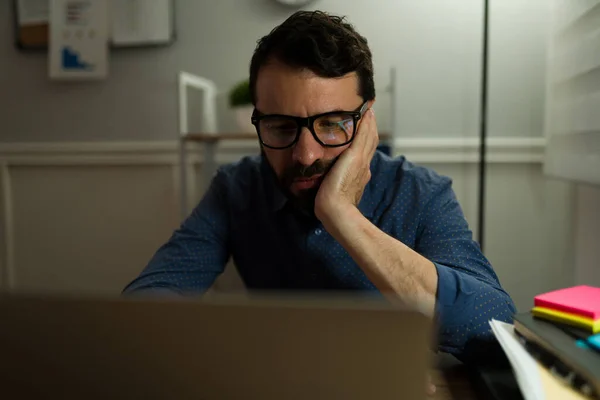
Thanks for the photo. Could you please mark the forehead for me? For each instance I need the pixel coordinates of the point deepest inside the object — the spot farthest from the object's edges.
(281, 89)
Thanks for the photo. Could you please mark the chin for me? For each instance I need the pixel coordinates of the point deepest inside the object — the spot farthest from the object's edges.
(305, 193)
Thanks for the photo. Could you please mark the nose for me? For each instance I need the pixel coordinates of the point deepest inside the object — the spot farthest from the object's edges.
(307, 150)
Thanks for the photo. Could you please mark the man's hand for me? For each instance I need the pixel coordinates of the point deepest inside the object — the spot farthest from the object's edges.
(343, 186)
(430, 387)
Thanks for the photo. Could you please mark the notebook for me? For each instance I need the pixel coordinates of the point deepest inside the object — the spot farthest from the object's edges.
(581, 300)
(588, 324)
(555, 389)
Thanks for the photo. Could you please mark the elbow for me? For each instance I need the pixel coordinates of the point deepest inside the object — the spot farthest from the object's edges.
(464, 329)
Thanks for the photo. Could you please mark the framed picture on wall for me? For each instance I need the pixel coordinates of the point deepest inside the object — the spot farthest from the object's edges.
(31, 23)
(133, 23)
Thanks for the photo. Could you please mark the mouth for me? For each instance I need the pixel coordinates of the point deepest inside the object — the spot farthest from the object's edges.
(299, 184)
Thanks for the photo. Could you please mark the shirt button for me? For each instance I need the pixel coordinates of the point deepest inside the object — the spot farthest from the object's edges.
(318, 231)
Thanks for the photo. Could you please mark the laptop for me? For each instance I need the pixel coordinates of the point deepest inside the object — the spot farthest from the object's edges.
(217, 347)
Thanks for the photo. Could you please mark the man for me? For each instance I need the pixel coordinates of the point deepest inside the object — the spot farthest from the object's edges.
(320, 208)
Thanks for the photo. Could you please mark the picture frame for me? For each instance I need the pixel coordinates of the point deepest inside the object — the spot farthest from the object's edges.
(31, 24)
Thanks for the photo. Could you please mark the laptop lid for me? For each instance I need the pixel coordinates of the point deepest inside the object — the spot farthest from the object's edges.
(266, 347)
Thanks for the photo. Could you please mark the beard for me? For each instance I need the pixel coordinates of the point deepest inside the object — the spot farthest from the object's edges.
(304, 199)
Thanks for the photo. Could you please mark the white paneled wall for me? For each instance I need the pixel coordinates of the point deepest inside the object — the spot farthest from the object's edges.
(573, 121)
(85, 218)
(86, 228)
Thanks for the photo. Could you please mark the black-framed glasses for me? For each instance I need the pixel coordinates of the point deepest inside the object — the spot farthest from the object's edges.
(330, 129)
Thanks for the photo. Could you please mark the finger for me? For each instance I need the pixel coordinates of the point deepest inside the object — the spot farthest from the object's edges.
(367, 136)
(361, 136)
(430, 388)
(358, 139)
(374, 134)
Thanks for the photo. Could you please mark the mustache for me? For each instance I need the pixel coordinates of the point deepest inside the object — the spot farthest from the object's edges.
(319, 167)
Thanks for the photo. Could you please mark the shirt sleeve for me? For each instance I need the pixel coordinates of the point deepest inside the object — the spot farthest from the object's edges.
(469, 293)
(196, 253)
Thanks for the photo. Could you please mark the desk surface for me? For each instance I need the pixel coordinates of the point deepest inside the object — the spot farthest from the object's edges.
(451, 379)
(452, 383)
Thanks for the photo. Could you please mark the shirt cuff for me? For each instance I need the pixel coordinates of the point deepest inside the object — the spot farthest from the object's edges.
(447, 287)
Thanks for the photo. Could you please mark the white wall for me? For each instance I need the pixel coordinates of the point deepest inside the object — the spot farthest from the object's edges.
(434, 44)
(517, 66)
(88, 218)
(587, 235)
(572, 125)
(573, 92)
(87, 228)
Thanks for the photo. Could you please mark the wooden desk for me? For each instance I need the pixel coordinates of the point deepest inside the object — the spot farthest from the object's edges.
(451, 380)
(452, 384)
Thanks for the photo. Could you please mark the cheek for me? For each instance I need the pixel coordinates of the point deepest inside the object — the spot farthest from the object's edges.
(280, 160)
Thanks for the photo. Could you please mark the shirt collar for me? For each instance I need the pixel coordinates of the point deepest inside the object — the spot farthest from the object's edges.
(278, 200)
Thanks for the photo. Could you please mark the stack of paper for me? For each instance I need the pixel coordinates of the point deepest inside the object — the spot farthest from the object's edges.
(535, 381)
(523, 364)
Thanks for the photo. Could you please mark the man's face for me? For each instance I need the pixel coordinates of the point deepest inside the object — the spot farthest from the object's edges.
(280, 89)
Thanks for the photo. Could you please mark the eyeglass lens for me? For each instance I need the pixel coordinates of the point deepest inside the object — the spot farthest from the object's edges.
(331, 129)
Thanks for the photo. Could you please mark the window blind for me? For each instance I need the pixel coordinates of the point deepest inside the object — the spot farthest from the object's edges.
(572, 121)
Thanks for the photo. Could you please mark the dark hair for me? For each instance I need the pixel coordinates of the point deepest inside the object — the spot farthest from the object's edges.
(322, 43)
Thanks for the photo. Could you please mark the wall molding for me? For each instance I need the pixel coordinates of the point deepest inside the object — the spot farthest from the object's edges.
(466, 150)
(419, 150)
(90, 153)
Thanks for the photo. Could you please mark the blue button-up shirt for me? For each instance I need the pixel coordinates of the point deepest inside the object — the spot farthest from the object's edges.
(274, 246)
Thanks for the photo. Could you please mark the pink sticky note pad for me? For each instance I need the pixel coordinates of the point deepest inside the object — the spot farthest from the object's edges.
(581, 300)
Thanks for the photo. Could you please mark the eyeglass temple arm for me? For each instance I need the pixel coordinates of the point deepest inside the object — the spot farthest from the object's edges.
(364, 108)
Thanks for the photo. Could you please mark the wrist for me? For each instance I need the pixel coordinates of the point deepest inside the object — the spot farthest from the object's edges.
(335, 218)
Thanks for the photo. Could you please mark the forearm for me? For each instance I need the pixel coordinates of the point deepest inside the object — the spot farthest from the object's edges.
(185, 265)
(394, 268)
(192, 258)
